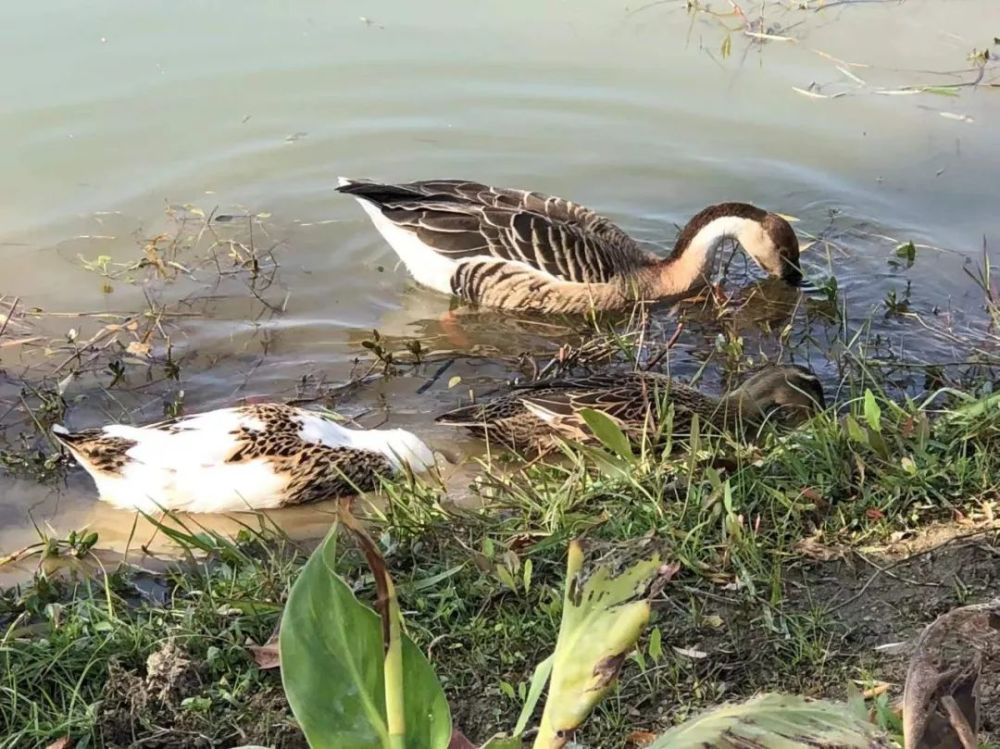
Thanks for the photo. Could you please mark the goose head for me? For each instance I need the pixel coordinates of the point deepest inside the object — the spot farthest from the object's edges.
(767, 237)
(787, 394)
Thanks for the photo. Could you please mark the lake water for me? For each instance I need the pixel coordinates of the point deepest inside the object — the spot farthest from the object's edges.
(115, 113)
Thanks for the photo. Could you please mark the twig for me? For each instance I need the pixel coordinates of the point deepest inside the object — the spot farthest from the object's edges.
(10, 314)
(436, 376)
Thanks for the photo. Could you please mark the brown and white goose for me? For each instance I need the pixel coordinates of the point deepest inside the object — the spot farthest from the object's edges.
(251, 457)
(519, 250)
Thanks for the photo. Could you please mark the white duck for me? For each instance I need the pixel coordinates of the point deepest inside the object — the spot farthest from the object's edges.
(250, 457)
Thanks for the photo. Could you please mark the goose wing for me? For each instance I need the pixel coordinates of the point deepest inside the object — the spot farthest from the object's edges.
(465, 220)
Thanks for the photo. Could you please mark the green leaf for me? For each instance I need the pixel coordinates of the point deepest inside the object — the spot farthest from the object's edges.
(610, 465)
(854, 430)
(775, 721)
(908, 252)
(656, 644)
(608, 432)
(976, 408)
(878, 444)
(432, 582)
(506, 577)
(941, 90)
(538, 680)
(605, 609)
(332, 661)
(727, 46)
(873, 414)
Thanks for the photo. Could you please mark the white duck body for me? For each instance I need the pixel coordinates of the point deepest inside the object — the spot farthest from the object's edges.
(245, 458)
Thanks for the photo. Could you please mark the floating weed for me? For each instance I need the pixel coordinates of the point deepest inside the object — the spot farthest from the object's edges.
(904, 256)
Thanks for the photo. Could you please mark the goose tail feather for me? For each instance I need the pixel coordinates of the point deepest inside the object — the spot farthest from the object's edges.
(374, 192)
(65, 437)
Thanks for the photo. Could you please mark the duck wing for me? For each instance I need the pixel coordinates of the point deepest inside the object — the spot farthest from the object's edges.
(470, 221)
(624, 397)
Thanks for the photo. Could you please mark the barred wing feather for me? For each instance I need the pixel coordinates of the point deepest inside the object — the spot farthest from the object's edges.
(465, 221)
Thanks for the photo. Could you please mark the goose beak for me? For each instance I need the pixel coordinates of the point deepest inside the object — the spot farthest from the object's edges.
(791, 274)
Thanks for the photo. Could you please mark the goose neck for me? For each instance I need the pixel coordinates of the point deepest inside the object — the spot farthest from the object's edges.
(693, 258)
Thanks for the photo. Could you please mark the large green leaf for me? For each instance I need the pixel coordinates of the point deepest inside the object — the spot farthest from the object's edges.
(332, 667)
(605, 608)
(776, 721)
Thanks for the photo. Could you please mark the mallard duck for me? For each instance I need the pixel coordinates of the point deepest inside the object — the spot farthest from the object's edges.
(535, 416)
(250, 457)
(526, 251)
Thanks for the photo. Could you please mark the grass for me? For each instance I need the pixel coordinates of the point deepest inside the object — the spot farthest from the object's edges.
(74, 653)
(755, 607)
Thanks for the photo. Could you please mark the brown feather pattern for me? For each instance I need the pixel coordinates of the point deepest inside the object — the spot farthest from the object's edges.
(316, 471)
(638, 401)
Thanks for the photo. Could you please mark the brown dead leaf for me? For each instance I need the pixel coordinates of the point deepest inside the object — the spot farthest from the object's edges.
(266, 656)
(640, 738)
(458, 741)
(907, 428)
(524, 541)
(813, 548)
(815, 497)
(872, 692)
(64, 743)
(138, 348)
(874, 513)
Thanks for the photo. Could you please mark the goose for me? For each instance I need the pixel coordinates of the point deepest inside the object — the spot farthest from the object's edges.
(525, 251)
(537, 415)
(251, 457)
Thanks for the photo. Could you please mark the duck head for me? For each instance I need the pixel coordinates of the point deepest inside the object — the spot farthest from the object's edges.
(787, 394)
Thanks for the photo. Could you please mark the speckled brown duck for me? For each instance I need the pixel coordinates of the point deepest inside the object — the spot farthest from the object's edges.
(538, 415)
(525, 251)
(245, 458)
